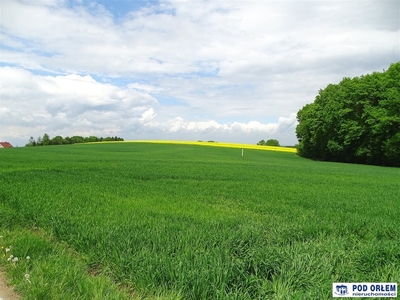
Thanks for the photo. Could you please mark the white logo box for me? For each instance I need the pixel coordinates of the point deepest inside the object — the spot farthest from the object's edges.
(364, 289)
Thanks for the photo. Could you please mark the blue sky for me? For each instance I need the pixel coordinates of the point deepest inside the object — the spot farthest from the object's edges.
(120, 8)
(230, 71)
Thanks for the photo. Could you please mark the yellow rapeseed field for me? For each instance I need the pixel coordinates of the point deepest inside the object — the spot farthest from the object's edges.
(219, 144)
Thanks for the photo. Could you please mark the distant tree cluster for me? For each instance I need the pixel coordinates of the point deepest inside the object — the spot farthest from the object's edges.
(355, 121)
(270, 142)
(59, 140)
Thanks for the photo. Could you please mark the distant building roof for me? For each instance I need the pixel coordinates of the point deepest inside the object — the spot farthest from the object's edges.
(5, 145)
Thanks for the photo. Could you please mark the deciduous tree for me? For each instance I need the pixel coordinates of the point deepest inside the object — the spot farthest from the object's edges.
(272, 142)
(356, 120)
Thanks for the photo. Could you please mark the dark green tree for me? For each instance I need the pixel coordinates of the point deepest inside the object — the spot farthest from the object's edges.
(68, 140)
(357, 120)
(58, 140)
(272, 142)
(261, 143)
(31, 142)
(39, 141)
(46, 139)
(91, 139)
(77, 139)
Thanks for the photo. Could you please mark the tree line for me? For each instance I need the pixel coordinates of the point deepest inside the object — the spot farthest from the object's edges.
(355, 121)
(270, 142)
(76, 139)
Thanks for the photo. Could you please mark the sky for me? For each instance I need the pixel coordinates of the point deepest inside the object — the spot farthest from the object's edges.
(229, 71)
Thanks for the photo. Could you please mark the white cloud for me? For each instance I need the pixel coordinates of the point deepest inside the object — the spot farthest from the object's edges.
(179, 124)
(148, 116)
(196, 36)
(236, 68)
(145, 87)
(66, 102)
(79, 105)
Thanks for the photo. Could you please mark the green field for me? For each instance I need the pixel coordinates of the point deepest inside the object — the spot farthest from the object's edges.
(157, 221)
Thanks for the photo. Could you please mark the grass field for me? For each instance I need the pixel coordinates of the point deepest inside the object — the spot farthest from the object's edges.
(167, 221)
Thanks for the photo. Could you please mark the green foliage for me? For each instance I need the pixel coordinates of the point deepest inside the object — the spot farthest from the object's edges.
(43, 269)
(77, 139)
(261, 143)
(357, 120)
(31, 142)
(189, 222)
(46, 140)
(59, 140)
(272, 142)
(39, 141)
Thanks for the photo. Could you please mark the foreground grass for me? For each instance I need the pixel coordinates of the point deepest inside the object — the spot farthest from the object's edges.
(156, 221)
(43, 268)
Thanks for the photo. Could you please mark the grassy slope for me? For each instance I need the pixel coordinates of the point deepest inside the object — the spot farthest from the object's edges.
(195, 222)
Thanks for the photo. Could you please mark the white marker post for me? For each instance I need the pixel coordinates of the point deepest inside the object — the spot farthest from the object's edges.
(242, 152)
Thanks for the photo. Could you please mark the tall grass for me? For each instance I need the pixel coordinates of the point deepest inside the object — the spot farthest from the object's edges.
(137, 220)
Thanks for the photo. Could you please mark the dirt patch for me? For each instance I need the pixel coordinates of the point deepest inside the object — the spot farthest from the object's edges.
(6, 291)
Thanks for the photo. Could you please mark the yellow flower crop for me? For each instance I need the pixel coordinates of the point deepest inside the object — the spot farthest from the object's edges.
(218, 144)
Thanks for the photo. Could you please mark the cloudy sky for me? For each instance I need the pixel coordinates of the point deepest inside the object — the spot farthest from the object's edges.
(229, 71)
